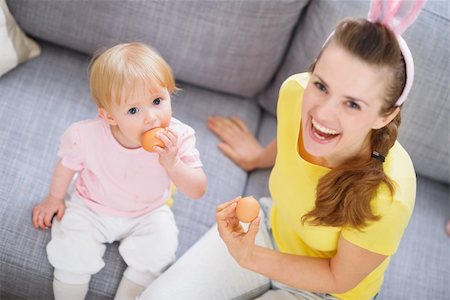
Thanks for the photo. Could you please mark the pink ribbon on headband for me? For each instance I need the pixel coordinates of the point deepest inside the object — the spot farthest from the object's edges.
(398, 15)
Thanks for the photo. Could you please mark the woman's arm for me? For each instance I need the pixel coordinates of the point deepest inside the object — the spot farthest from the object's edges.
(336, 275)
(339, 274)
(240, 145)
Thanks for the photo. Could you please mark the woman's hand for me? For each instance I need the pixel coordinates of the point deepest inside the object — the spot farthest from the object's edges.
(240, 243)
(168, 154)
(43, 212)
(238, 143)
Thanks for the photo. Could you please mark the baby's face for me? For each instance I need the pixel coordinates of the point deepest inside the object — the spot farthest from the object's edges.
(139, 111)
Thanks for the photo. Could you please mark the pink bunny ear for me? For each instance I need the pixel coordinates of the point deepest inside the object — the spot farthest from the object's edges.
(404, 21)
(398, 15)
(375, 11)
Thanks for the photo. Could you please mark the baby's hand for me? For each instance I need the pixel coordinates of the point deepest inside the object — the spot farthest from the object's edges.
(43, 212)
(168, 154)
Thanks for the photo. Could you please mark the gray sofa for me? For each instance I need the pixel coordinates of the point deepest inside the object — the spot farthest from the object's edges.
(229, 57)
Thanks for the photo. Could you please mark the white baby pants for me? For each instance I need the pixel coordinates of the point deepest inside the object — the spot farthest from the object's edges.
(147, 243)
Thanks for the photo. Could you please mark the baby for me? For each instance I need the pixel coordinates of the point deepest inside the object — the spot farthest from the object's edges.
(121, 190)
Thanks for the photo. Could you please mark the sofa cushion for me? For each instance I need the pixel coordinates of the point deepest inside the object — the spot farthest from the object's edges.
(38, 101)
(232, 46)
(16, 47)
(425, 116)
(421, 267)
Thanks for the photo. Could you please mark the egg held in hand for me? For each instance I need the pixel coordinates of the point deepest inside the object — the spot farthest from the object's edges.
(247, 209)
(149, 139)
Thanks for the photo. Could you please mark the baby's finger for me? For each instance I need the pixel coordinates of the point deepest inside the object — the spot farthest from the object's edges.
(40, 220)
(35, 218)
(172, 134)
(60, 213)
(48, 219)
(164, 138)
(159, 150)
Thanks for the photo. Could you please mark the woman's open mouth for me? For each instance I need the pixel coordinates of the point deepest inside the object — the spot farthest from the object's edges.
(322, 134)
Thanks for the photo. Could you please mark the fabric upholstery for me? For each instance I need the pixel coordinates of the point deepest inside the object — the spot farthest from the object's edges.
(233, 46)
(218, 49)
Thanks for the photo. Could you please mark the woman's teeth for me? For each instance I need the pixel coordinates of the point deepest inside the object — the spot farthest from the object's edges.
(323, 129)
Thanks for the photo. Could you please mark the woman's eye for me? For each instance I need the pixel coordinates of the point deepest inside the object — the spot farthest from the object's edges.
(133, 110)
(320, 86)
(353, 105)
(157, 101)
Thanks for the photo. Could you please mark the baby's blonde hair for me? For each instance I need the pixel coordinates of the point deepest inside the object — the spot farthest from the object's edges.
(123, 67)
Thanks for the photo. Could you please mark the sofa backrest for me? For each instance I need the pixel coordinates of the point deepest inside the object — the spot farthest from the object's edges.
(425, 128)
(229, 46)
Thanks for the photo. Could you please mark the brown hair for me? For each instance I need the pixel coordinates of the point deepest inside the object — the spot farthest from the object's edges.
(124, 66)
(343, 195)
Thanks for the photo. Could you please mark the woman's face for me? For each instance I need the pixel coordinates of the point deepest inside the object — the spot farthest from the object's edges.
(138, 112)
(341, 106)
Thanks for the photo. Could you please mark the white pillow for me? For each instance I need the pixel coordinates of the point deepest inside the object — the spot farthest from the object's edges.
(15, 46)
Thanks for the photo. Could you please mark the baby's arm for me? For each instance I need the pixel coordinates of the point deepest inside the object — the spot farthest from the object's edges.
(54, 202)
(190, 181)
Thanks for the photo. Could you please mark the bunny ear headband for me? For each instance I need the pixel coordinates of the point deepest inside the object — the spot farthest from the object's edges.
(397, 15)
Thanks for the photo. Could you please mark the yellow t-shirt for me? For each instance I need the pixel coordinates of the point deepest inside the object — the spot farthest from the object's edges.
(293, 184)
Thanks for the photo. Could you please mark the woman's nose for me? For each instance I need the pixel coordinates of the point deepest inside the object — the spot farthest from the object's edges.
(326, 110)
(328, 107)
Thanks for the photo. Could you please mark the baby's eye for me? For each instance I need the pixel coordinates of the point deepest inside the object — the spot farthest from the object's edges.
(320, 86)
(133, 110)
(157, 101)
(353, 105)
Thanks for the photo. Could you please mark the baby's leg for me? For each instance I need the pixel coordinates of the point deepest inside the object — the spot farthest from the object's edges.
(149, 249)
(75, 251)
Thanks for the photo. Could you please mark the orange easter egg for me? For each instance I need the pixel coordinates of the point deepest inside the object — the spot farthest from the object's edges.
(149, 139)
(247, 209)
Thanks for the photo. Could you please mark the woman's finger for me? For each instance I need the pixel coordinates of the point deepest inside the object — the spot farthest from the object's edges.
(240, 123)
(228, 203)
(253, 230)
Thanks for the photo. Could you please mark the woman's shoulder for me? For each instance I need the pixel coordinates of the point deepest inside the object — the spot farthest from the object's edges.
(400, 170)
(399, 164)
(299, 79)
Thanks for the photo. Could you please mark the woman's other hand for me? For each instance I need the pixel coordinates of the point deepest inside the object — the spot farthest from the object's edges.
(238, 143)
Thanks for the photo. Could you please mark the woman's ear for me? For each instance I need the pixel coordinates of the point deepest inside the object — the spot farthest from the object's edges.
(384, 120)
(105, 115)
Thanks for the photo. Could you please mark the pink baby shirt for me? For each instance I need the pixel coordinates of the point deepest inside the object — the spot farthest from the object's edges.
(115, 180)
